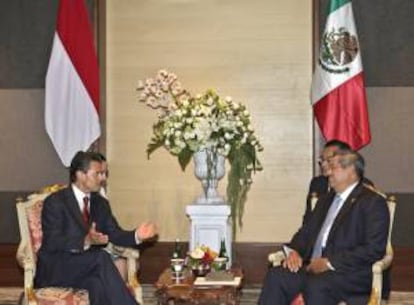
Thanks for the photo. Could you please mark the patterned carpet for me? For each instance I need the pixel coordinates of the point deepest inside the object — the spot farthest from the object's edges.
(10, 296)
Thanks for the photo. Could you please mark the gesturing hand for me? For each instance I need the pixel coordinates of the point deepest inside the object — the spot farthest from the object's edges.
(146, 230)
(293, 261)
(95, 237)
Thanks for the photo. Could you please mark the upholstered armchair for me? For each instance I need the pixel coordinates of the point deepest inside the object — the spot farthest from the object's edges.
(29, 215)
(378, 267)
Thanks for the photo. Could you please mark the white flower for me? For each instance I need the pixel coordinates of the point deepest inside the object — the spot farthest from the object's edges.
(228, 136)
(197, 253)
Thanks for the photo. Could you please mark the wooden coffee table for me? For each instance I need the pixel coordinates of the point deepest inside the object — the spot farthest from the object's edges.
(170, 291)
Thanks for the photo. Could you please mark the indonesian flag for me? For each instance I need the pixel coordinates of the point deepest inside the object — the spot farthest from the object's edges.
(338, 90)
(72, 83)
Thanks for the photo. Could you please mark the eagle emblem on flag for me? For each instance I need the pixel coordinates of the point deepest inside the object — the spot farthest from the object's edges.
(338, 49)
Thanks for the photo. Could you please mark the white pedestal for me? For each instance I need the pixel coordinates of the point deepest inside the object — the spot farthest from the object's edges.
(209, 225)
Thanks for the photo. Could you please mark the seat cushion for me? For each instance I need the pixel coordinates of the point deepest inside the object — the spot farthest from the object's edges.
(62, 296)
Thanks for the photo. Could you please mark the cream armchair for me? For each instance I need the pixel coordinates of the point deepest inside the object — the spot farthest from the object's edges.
(29, 216)
(378, 267)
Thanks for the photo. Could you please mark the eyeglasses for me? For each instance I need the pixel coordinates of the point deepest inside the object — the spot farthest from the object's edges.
(322, 160)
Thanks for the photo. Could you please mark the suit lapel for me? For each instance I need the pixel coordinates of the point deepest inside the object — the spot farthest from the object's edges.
(73, 207)
(344, 211)
(92, 206)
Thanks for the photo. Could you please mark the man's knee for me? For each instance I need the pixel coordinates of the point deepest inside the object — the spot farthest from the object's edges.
(318, 290)
(274, 276)
(102, 257)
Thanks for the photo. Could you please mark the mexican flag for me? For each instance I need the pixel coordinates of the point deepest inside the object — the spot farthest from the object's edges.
(72, 83)
(338, 89)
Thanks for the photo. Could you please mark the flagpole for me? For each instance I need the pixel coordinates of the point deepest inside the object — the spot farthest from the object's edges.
(317, 143)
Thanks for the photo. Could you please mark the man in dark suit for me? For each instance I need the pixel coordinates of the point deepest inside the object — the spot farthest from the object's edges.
(330, 258)
(76, 223)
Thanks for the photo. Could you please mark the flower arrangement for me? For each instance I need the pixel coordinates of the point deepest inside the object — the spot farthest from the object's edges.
(201, 255)
(187, 124)
(201, 260)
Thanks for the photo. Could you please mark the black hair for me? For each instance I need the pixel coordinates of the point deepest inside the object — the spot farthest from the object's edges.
(337, 143)
(101, 156)
(81, 162)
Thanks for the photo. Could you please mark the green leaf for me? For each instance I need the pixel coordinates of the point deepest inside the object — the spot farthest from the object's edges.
(184, 158)
(152, 147)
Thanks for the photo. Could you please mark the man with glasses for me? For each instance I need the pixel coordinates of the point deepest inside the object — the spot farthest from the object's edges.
(319, 185)
(330, 258)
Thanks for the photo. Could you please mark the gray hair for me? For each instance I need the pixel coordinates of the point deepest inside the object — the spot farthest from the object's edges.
(350, 157)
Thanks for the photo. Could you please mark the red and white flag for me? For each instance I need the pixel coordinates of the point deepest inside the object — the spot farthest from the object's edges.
(72, 83)
(338, 89)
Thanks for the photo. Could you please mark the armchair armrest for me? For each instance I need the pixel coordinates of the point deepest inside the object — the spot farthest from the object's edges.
(124, 252)
(377, 273)
(382, 264)
(276, 258)
(131, 255)
(24, 258)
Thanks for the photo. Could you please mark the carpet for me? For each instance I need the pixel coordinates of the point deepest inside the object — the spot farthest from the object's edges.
(11, 295)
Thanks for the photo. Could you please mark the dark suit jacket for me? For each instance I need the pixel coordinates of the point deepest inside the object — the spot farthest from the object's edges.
(64, 232)
(320, 186)
(358, 236)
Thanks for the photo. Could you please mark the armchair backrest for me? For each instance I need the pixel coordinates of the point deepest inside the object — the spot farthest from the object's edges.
(29, 213)
(391, 202)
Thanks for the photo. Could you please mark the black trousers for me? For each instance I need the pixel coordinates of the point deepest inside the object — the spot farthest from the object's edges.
(329, 288)
(95, 271)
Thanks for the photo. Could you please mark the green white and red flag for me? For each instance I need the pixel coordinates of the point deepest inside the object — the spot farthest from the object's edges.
(338, 89)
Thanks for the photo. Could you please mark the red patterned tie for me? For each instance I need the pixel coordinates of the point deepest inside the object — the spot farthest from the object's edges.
(85, 210)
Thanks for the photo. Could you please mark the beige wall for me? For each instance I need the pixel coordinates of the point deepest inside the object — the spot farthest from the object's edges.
(259, 52)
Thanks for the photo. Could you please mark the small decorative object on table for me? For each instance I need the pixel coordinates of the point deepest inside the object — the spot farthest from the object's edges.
(221, 262)
(177, 267)
(177, 261)
(200, 260)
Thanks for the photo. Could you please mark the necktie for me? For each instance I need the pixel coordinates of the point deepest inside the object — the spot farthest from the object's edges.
(85, 210)
(326, 227)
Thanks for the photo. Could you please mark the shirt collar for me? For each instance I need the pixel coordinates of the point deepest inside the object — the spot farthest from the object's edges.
(79, 195)
(345, 194)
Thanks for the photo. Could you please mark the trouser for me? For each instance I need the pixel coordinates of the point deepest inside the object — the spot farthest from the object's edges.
(329, 288)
